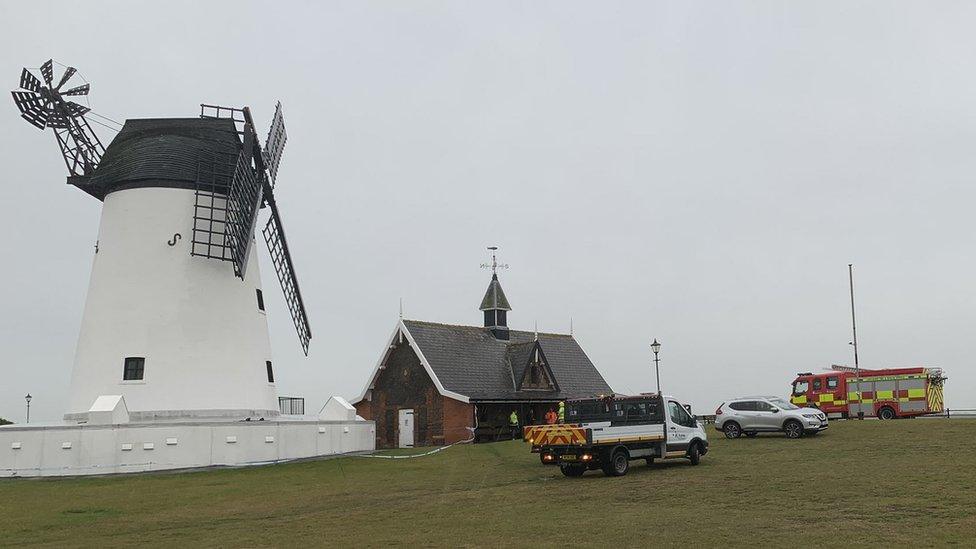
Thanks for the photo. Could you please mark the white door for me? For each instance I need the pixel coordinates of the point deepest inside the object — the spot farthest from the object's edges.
(406, 428)
(681, 428)
(768, 416)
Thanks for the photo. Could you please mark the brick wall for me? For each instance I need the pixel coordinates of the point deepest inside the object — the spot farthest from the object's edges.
(458, 417)
(403, 383)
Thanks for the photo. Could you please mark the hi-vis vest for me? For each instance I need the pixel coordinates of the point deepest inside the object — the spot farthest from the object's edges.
(513, 419)
(562, 411)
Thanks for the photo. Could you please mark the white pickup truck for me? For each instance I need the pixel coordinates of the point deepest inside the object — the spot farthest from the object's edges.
(608, 432)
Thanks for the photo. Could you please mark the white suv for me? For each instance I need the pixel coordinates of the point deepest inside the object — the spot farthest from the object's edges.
(753, 415)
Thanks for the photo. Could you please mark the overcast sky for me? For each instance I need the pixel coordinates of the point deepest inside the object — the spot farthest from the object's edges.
(701, 173)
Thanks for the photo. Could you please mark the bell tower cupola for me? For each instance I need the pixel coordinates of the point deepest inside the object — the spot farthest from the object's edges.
(495, 305)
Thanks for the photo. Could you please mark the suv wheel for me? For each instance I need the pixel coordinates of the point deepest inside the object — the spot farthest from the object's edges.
(694, 454)
(732, 430)
(886, 413)
(618, 465)
(793, 429)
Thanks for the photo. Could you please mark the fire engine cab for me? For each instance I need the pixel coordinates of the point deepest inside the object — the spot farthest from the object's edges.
(887, 394)
(608, 432)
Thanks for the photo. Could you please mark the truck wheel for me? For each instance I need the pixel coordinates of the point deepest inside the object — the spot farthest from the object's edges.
(618, 465)
(886, 413)
(694, 454)
(572, 470)
(732, 430)
(793, 429)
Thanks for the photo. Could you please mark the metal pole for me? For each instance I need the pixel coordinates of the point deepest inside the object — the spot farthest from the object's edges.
(28, 411)
(657, 373)
(857, 366)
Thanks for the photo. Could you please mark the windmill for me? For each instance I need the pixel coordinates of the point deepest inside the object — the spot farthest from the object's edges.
(167, 326)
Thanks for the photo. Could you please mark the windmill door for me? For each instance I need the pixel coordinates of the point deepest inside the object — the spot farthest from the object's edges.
(405, 426)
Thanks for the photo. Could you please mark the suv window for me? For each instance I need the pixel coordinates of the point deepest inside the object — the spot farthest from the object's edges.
(817, 384)
(744, 406)
(679, 415)
(763, 406)
(831, 382)
(800, 387)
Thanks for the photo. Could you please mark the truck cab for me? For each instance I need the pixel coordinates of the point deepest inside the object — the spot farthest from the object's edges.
(826, 391)
(609, 432)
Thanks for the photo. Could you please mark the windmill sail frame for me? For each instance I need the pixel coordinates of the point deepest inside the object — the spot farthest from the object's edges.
(274, 237)
(233, 208)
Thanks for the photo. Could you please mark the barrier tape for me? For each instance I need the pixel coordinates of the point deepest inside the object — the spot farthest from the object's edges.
(410, 456)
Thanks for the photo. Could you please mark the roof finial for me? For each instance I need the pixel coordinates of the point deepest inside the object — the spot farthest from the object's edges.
(537, 330)
(401, 308)
(494, 265)
(570, 326)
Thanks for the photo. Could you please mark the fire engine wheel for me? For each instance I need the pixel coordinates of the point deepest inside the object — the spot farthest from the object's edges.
(732, 430)
(618, 465)
(793, 429)
(886, 413)
(572, 470)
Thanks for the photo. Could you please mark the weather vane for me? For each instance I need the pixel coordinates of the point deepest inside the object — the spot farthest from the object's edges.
(494, 265)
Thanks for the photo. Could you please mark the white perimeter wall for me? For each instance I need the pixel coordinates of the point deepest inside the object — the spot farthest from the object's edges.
(41, 451)
(198, 326)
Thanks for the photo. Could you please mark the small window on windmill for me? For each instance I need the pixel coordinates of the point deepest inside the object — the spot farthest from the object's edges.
(260, 299)
(134, 368)
(267, 363)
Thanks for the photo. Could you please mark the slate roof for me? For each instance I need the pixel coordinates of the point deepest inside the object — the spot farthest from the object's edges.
(517, 355)
(495, 297)
(468, 360)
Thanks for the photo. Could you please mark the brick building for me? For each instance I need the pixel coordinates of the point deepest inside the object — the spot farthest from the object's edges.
(439, 383)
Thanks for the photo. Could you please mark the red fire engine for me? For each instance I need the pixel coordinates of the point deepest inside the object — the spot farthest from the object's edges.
(887, 393)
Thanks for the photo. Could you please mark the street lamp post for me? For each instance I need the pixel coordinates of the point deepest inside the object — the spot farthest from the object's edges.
(28, 399)
(857, 367)
(656, 347)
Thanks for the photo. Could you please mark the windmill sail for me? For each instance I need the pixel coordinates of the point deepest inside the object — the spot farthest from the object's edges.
(275, 144)
(244, 199)
(274, 236)
(251, 187)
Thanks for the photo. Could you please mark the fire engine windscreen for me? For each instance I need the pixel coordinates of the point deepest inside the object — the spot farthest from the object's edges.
(800, 387)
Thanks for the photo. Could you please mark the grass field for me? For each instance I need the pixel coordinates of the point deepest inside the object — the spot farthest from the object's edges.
(908, 482)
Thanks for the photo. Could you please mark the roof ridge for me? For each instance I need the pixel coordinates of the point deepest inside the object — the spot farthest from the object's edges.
(552, 334)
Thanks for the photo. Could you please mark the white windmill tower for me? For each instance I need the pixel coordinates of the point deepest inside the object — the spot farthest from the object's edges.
(174, 319)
